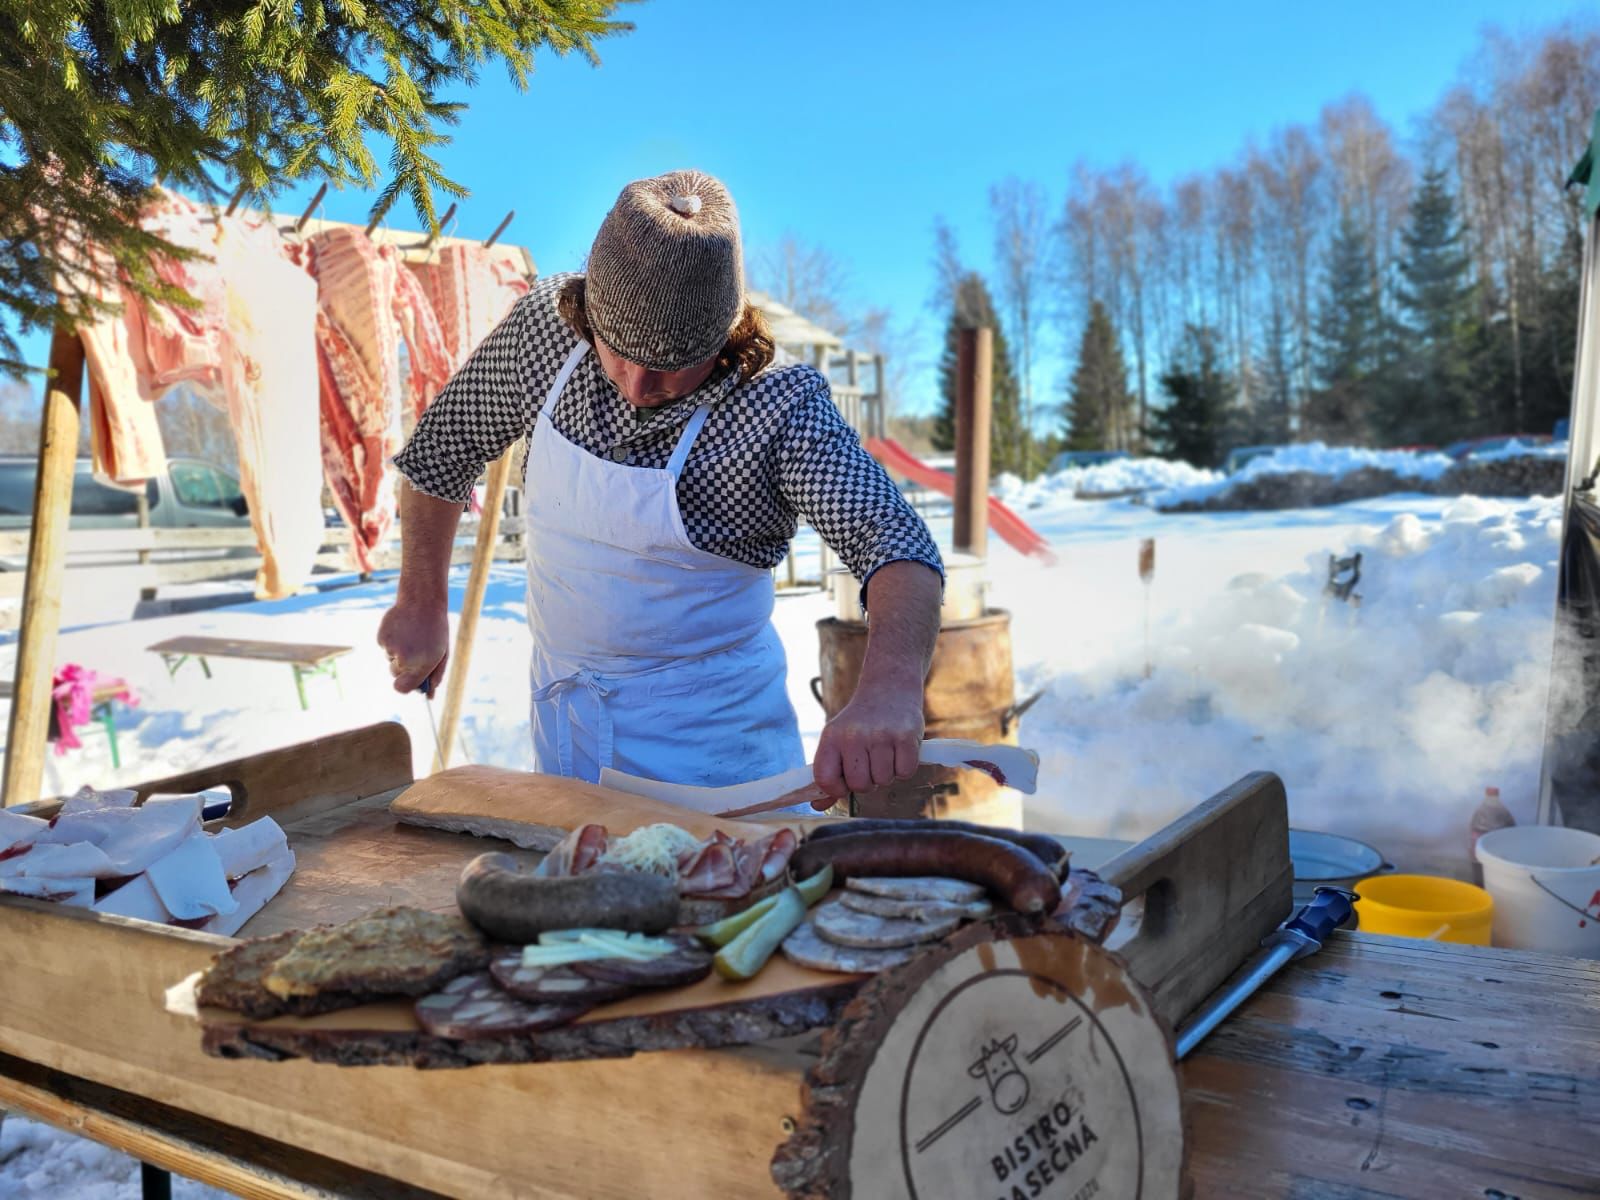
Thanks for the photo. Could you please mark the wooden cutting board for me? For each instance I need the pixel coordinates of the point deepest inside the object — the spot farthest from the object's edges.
(784, 999)
(464, 795)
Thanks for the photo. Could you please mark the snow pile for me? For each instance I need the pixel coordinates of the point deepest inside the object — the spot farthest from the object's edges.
(1314, 458)
(1386, 718)
(1117, 477)
(38, 1162)
(1516, 449)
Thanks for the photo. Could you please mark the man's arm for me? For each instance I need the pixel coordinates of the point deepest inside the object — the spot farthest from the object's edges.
(478, 414)
(877, 737)
(416, 631)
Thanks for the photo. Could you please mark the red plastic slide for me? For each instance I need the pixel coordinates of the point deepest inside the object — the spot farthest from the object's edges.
(1012, 529)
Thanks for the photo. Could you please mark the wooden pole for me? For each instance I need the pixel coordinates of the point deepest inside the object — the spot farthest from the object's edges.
(881, 413)
(443, 221)
(974, 373)
(41, 589)
(499, 229)
(455, 687)
(310, 208)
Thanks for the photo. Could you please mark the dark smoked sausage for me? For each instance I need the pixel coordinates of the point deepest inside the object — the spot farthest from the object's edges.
(1042, 846)
(1011, 873)
(513, 905)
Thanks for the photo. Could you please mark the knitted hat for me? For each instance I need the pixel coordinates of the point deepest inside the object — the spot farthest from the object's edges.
(665, 280)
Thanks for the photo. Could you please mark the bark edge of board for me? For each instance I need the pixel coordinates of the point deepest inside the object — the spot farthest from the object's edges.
(817, 1160)
(757, 1020)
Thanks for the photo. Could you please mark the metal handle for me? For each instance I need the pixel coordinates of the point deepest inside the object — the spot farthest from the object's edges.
(1016, 711)
(1330, 908)
(816, 690)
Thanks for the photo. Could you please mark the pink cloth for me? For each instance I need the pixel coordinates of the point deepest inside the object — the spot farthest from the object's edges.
(73, 690)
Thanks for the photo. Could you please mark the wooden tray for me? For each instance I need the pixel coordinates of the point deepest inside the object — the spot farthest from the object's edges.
(359, 856)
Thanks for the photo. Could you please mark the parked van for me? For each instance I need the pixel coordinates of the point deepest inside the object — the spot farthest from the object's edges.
(190, 494)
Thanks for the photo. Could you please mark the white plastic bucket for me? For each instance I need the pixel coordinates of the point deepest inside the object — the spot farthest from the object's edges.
(1545, 880)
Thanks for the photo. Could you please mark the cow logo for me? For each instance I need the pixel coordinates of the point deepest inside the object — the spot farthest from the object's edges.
(997, 1066)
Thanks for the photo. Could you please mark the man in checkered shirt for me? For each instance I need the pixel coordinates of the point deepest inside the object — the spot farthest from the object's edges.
(668, 463)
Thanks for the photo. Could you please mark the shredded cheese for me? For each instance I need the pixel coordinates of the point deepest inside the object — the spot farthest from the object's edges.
(652, 848)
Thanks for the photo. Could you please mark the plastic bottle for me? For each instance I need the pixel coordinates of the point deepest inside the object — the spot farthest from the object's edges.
(1486, 818)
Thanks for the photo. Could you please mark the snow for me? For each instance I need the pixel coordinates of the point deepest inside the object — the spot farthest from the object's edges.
(39, 1162)
(1102, 479)
(1516, 449)
(1314, 458)
(1386, 719)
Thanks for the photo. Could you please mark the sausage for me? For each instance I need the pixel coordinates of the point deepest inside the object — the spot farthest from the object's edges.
(511, 904)
(1042, 846)
(471, 1006)
(1013, 874)
(551, 985)
(689, 963)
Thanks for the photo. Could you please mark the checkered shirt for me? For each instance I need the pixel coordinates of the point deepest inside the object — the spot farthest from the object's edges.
(774, 448)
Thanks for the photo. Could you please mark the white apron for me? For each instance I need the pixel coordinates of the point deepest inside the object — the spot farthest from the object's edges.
(649, 655)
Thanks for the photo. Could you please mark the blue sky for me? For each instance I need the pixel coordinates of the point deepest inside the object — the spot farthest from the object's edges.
(852, 125)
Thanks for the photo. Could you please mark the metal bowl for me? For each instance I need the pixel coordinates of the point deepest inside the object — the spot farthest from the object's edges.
(1327, 859)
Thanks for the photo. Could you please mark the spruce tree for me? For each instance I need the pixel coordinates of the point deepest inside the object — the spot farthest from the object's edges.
(1275, 391)
(1431, 395)
(1201, 394)
(1099, 406)
(99, 101)
(1348, 340)
(974, 309)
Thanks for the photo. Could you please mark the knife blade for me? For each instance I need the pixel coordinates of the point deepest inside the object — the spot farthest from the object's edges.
(426, 688)
(1010, 766)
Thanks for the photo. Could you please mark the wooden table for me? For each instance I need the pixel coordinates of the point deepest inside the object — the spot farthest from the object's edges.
(304, 659)
(1376, 1069)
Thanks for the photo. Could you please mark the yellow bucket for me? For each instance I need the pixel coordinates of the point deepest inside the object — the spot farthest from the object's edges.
(1424, 906)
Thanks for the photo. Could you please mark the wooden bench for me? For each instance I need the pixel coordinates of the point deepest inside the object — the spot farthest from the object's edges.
(303, 658)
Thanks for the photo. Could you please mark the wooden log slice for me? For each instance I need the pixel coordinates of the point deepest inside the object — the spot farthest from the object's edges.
(1016, 1059)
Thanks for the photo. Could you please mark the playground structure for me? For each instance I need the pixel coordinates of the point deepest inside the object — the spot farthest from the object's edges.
(1010, 528)
(866, 412)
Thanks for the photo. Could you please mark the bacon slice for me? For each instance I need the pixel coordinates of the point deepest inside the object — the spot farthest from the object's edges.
(576, 853)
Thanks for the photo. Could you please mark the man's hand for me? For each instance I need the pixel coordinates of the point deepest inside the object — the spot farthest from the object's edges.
(416, 631)
(877, 737)
(417, 639)
(875, 740)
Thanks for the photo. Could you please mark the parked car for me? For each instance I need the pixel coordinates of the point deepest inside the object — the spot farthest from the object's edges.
(1085, 458)
(190, 494)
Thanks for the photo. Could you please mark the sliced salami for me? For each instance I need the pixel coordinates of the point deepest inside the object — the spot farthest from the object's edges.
(847, 927)
(473, 1006)
(689, 963)
(551, 985)
(952, 891)
(915, 910)
(806, 947)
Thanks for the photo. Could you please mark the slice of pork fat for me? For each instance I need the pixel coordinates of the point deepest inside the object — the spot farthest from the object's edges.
(1009, 766)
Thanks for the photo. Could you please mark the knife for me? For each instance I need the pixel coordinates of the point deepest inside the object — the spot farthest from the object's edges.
(1010, 766)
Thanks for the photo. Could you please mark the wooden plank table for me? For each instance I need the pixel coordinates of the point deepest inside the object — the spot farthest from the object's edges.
(304, 659)
(1378, 1068)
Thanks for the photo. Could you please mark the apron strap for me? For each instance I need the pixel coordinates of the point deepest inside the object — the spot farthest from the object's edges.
(680, 454)
(567, 368)
(559, 692)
